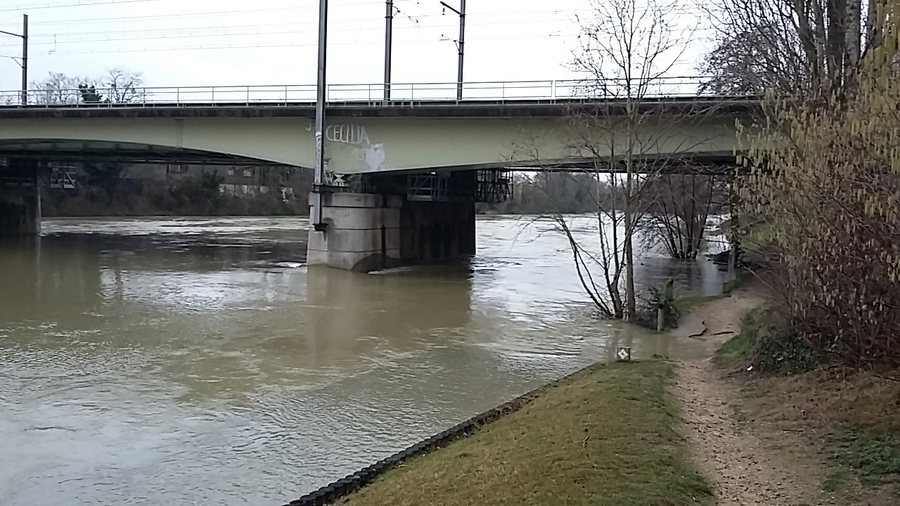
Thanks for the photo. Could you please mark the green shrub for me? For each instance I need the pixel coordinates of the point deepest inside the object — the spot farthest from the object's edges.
(787, 354)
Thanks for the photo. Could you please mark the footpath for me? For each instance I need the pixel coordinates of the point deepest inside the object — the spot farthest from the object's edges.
(766, 439)
(740, 466)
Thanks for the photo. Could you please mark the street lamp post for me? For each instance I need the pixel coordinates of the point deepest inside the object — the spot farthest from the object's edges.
(460, 44)
(24, 64)
(319, 224)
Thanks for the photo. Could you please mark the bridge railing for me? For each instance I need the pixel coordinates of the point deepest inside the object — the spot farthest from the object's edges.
(373, 94)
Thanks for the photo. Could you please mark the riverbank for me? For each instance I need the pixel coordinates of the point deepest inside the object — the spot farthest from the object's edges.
(690, 430)
(812, 438)
(604, 437)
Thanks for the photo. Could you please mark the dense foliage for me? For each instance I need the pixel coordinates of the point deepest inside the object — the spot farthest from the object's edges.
(826, 175)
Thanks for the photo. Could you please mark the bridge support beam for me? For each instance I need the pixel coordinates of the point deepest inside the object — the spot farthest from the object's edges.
(368, 231)
(435, 231)
(20, 199)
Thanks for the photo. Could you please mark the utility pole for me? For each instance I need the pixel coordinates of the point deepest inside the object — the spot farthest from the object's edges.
(24, 59)
(319, 179)
(24, 64)
(388, 34)
(460, 44)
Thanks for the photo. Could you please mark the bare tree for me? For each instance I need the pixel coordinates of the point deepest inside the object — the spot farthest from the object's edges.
(56, 89)
(123, 87)
(788, 45)
(677, 209)
(621, 138)
(117, 86)
(627, 49)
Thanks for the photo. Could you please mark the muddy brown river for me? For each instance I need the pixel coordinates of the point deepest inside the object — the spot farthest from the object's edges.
(199, 361)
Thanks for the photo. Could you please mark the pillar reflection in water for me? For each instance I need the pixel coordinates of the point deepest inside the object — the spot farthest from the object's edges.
(46, 277)
(395, 310)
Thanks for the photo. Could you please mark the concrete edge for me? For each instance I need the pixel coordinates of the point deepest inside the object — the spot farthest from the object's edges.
(355, 481)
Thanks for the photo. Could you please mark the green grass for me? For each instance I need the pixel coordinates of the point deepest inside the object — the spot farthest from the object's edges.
(738, 350)
(874, 457)
(687, 303)
(734, 351)
(603, 438)
(835, 480)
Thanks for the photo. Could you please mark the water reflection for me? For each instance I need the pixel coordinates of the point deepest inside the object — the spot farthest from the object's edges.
(185, 361)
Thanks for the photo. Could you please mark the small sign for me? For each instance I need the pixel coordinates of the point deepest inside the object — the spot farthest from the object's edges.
(623, 354)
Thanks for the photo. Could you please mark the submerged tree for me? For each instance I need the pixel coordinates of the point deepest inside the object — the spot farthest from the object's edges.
(677, 207)
(624, 137)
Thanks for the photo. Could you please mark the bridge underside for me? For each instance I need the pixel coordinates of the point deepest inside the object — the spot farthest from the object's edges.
(68, 151)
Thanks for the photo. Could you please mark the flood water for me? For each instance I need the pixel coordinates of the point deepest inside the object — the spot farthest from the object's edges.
(189, 361)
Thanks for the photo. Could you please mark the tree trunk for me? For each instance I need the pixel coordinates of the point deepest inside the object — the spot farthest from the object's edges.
(852, 42)
(630, 303)
(733, 258)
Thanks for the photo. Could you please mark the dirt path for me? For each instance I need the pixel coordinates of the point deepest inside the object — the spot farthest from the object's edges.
(742, 467)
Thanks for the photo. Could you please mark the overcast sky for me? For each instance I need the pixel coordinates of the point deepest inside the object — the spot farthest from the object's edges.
(232, 42)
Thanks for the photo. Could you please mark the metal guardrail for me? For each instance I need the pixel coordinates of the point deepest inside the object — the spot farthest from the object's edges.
(372, 94)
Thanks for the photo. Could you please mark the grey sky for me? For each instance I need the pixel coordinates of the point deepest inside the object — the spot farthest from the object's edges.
(186, 42)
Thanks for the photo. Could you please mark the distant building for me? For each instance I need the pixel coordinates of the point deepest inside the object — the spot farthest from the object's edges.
(237, 181)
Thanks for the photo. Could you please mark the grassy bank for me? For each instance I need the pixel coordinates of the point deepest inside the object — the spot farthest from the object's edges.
(605, 437)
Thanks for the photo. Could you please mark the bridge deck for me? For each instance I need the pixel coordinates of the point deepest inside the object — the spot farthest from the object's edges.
(495, 125)
(397, 108)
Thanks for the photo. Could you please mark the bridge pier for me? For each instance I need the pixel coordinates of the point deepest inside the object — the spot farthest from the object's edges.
(370, 231)
(20, 199)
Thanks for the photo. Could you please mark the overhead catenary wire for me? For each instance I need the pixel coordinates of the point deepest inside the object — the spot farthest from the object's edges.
(98, 3)
(281, 29)
(212, 14)
(203, 31)
(108, 50)
(476, 20)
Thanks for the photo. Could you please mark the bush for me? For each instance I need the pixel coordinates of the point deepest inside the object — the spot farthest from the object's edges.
(786, 354)
(769, 346)
(826, 175)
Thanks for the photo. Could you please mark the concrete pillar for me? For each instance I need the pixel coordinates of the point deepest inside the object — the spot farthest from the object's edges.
(363, 232)
(20, 204)
(368, 231)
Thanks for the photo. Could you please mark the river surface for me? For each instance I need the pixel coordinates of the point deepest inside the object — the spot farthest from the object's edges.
(199, 361)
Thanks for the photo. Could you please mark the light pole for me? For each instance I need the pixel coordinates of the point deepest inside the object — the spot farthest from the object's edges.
(319, 179)
(24, 64)
(460, 44)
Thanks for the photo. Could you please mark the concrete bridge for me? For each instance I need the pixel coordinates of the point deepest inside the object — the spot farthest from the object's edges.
(400, 147)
